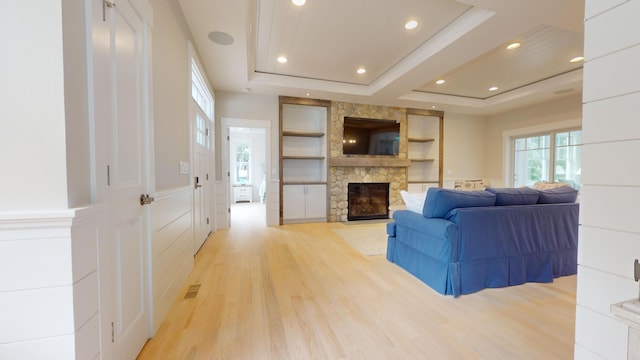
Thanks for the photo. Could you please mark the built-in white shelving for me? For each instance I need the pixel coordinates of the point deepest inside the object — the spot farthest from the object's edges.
(303, 159)
(424, 138)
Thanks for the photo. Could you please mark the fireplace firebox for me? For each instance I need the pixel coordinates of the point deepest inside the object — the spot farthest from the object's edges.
(368, 201)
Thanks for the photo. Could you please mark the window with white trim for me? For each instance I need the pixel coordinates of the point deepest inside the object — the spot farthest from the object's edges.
(553, 156)
(200, 91)
(241, 162)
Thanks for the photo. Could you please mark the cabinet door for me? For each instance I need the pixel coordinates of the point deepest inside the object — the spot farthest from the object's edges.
(316, 205)
(293, 202)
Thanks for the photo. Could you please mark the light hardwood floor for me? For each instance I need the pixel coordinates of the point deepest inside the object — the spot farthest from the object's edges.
(300, 292)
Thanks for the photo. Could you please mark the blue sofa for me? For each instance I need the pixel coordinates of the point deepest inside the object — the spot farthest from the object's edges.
(465, 241)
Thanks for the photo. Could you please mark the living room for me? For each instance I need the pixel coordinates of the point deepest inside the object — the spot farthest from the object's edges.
(72, 150)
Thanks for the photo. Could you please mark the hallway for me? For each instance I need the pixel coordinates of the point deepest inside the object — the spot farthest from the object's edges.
(248, 215)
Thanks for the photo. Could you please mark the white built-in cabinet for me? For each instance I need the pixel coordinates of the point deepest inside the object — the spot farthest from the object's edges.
(305, 203)
(303, 159)
(424, 149)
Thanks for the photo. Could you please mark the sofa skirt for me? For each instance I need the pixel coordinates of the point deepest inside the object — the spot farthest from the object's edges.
(459, 278)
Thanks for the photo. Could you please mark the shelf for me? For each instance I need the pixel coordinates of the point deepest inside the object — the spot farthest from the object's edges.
(286, 157)
(421, 182)
(421, 140)
(422, 160)
(302, 133)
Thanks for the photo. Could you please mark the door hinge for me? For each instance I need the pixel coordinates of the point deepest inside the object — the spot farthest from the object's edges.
(207, 178)
(229, 210)
(207, 131)
(113, 333)
(106, 4)
(227, 137)
(636, 270)
(108, 175)
(207, 221)
(228, 174)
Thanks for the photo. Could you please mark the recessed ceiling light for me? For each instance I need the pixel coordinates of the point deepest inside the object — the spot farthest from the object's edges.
(440, 82)
(411, 24)
(493, 88)
(514, 45)
(433, 106)
(361, 70)
(220, 38)
(308, 94)
(282, 59)
(576, 59)
(298, 2)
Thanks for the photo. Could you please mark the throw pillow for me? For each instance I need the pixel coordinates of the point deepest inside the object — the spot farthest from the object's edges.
(413, 201)
(440, 201)
(514, 196)
(545, 185)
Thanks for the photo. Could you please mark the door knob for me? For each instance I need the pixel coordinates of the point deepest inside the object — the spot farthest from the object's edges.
(145, 199)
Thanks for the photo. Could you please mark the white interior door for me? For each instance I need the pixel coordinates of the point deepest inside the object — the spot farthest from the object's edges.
(202, 189)
(127, 181)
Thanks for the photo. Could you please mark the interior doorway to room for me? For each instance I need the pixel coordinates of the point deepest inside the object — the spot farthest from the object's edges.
(247, 175)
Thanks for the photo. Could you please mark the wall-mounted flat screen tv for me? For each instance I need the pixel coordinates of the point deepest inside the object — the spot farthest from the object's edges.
(370, 137)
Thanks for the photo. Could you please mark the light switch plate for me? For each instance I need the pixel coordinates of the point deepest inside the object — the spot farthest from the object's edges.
(184, 168)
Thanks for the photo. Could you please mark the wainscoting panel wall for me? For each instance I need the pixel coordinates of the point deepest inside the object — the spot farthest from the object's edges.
(273, 203)
(50, 305)
(222, 210)
(171, 248)
(610, 232)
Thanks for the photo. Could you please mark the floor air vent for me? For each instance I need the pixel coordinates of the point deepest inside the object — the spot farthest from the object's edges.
(192, 292)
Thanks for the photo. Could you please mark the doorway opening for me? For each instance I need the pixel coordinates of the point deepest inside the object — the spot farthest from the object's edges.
(247, 172)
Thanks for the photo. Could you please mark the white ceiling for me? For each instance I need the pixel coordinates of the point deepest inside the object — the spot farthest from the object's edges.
(463, 42)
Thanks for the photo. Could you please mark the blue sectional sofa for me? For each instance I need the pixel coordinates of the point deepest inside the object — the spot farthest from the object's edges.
(465, 241)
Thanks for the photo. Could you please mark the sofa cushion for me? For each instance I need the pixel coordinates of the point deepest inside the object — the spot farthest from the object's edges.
(562, 194)
(440, 201)
(514, 196)
(413, 201)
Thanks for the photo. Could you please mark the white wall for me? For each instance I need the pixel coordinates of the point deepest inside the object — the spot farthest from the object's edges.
(463, 148)
(172, 213)
(32, 115)
(248, 107)
(610, 230)
(171, 89)
(547, 116)
(48, 256)
(76, 94)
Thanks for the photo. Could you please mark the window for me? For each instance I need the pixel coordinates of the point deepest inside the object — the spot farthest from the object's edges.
(555, 156)
(242, 162)
(201, 131)
(200, 92)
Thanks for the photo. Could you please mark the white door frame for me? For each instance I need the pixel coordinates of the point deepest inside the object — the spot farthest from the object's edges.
(207, 183)
(233, 122)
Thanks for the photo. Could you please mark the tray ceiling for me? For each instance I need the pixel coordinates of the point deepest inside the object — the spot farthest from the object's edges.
(461, 42)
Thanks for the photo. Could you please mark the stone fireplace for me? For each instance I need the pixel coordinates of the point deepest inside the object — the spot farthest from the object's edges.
(368, 201)
(345, 169)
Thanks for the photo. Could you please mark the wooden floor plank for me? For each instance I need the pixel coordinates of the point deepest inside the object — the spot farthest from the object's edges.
(301, 292)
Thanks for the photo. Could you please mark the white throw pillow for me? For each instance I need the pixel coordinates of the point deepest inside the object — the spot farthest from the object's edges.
(413, 201)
